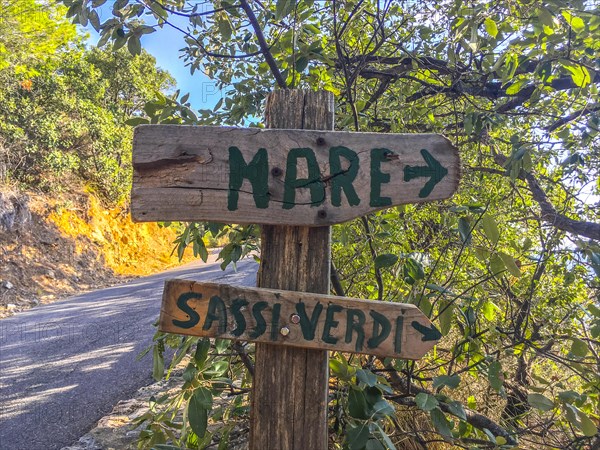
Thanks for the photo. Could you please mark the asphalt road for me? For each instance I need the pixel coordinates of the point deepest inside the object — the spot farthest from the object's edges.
(65, 365)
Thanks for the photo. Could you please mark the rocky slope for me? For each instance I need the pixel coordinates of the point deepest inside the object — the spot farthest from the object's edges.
(52, 248)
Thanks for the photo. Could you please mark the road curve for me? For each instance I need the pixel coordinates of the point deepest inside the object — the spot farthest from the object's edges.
(63, 366)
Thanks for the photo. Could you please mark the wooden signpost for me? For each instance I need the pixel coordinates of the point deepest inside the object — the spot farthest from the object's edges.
(295, 181)
(296, 319)
(284, 177)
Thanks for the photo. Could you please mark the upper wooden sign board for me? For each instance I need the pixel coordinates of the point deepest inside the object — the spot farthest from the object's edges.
(297, 319)
(284, 177)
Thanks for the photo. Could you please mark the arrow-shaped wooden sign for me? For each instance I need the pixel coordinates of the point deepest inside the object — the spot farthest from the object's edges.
(296, 319)
(284, 177)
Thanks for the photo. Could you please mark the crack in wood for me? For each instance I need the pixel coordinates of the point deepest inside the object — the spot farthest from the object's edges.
(183, 158)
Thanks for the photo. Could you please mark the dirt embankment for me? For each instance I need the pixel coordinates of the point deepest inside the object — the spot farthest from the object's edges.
(52, 248)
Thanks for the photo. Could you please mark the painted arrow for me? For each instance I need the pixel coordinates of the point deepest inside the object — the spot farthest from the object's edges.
(433, 169)
(429, 333)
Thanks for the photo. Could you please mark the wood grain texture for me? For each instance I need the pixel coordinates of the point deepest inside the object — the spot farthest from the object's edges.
(192, 173)
(289, 394)
(296, 319)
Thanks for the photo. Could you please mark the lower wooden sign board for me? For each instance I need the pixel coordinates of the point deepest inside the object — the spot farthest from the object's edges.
(296, 319)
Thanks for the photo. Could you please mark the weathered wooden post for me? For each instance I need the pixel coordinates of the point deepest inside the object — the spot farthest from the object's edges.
(289, 395)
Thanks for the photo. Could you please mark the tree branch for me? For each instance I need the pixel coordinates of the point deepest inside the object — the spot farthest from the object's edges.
(582, 112)
(241, 351)
(590, 230)
(477, 420)
(264, 47)
(461, 83)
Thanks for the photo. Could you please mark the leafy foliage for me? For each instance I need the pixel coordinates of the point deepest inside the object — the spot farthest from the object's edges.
(63, 108)
(509, 267)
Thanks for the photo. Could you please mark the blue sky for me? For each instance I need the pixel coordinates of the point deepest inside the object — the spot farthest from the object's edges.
(164, 45)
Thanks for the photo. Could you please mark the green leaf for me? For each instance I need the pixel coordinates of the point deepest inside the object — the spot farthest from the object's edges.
(514, 88)
(225, 28)
(134, 45)
(579, 74)
(568, 396)
(198, 408)
(579, 348)
(571, 413)
(425, 401)
(446, 315)
(586, 425)
(386, 439)
(202, 348)
(540, 402)
(440, 422)
(367, 377)
(500, 440)
(458, 410)
(374, 444)
(546, 17)
(496, 264)
(217, 369)
(358, 436)
(575, 22)
(357, 404)
(158, 366)
(283, 8)
(135, 121)
(382, 409)
(385, 260)
(189, 373)
(301, 63)
(464, 229)
(510, 264)
(341, 369)
(490, 228)
(119, 42)
(489, 310)
(413, 269)
(491, 27)
(495, 375)
(445, 380)
(94, 20)
(105, 36)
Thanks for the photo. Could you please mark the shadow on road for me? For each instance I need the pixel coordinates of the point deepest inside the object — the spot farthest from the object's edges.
(64, 365)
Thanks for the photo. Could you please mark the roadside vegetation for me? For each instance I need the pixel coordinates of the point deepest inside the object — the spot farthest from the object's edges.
(65, 160)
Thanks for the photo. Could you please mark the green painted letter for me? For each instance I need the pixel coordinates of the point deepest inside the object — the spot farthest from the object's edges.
(342, 179)
(261, 325)
(256, 172)
(216, 311)
(308, 326)
(236, 306)
(183, 305)
(398, 337)
(355, 325)
(313, 182)
(378, 177)
(330, 323)
(381, 329)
